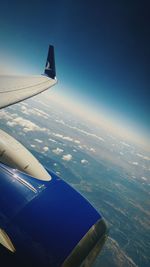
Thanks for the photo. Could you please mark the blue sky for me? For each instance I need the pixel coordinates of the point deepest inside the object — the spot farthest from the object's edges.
(102, 51)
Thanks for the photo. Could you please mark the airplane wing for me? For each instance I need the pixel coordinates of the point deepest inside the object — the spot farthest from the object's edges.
(14, 89)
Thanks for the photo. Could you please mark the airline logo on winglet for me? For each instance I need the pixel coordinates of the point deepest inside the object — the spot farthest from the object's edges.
(48, 66)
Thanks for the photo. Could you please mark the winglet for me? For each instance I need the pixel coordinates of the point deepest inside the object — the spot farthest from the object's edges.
(50, 70)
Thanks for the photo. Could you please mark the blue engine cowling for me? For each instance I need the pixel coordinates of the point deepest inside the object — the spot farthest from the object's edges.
(49, 223)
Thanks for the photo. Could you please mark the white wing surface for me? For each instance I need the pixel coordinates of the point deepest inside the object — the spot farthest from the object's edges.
(14, 89)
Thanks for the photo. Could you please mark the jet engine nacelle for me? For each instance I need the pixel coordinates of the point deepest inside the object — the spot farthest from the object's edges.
(46, 223)
(15, 155)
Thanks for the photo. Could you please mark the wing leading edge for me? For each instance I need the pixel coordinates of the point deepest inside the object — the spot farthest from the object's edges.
(14, 89)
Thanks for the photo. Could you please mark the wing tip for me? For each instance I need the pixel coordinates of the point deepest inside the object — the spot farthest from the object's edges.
(50, 69)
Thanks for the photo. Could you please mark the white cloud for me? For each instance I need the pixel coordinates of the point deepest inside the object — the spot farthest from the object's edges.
(6, 115)
(13, 120)
(33, 111)
(88, 134)
(58, 135)
(32, 145)
(25, 130)
(27, 124)
(67, 157)
(84, 161)
(25, 110)
(92, 149)
(135, 163)
(10, 123)
(144, 178)
(67, 138)
(125, 144)
(60, 121)
(40, 113)
(57, 151)
(52, 140)
(45, 148)
(143, 157)
(77, 141)
(38, 140)
(81, 131)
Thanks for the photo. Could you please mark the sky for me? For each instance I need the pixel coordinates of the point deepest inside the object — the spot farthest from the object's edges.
(102, 51)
